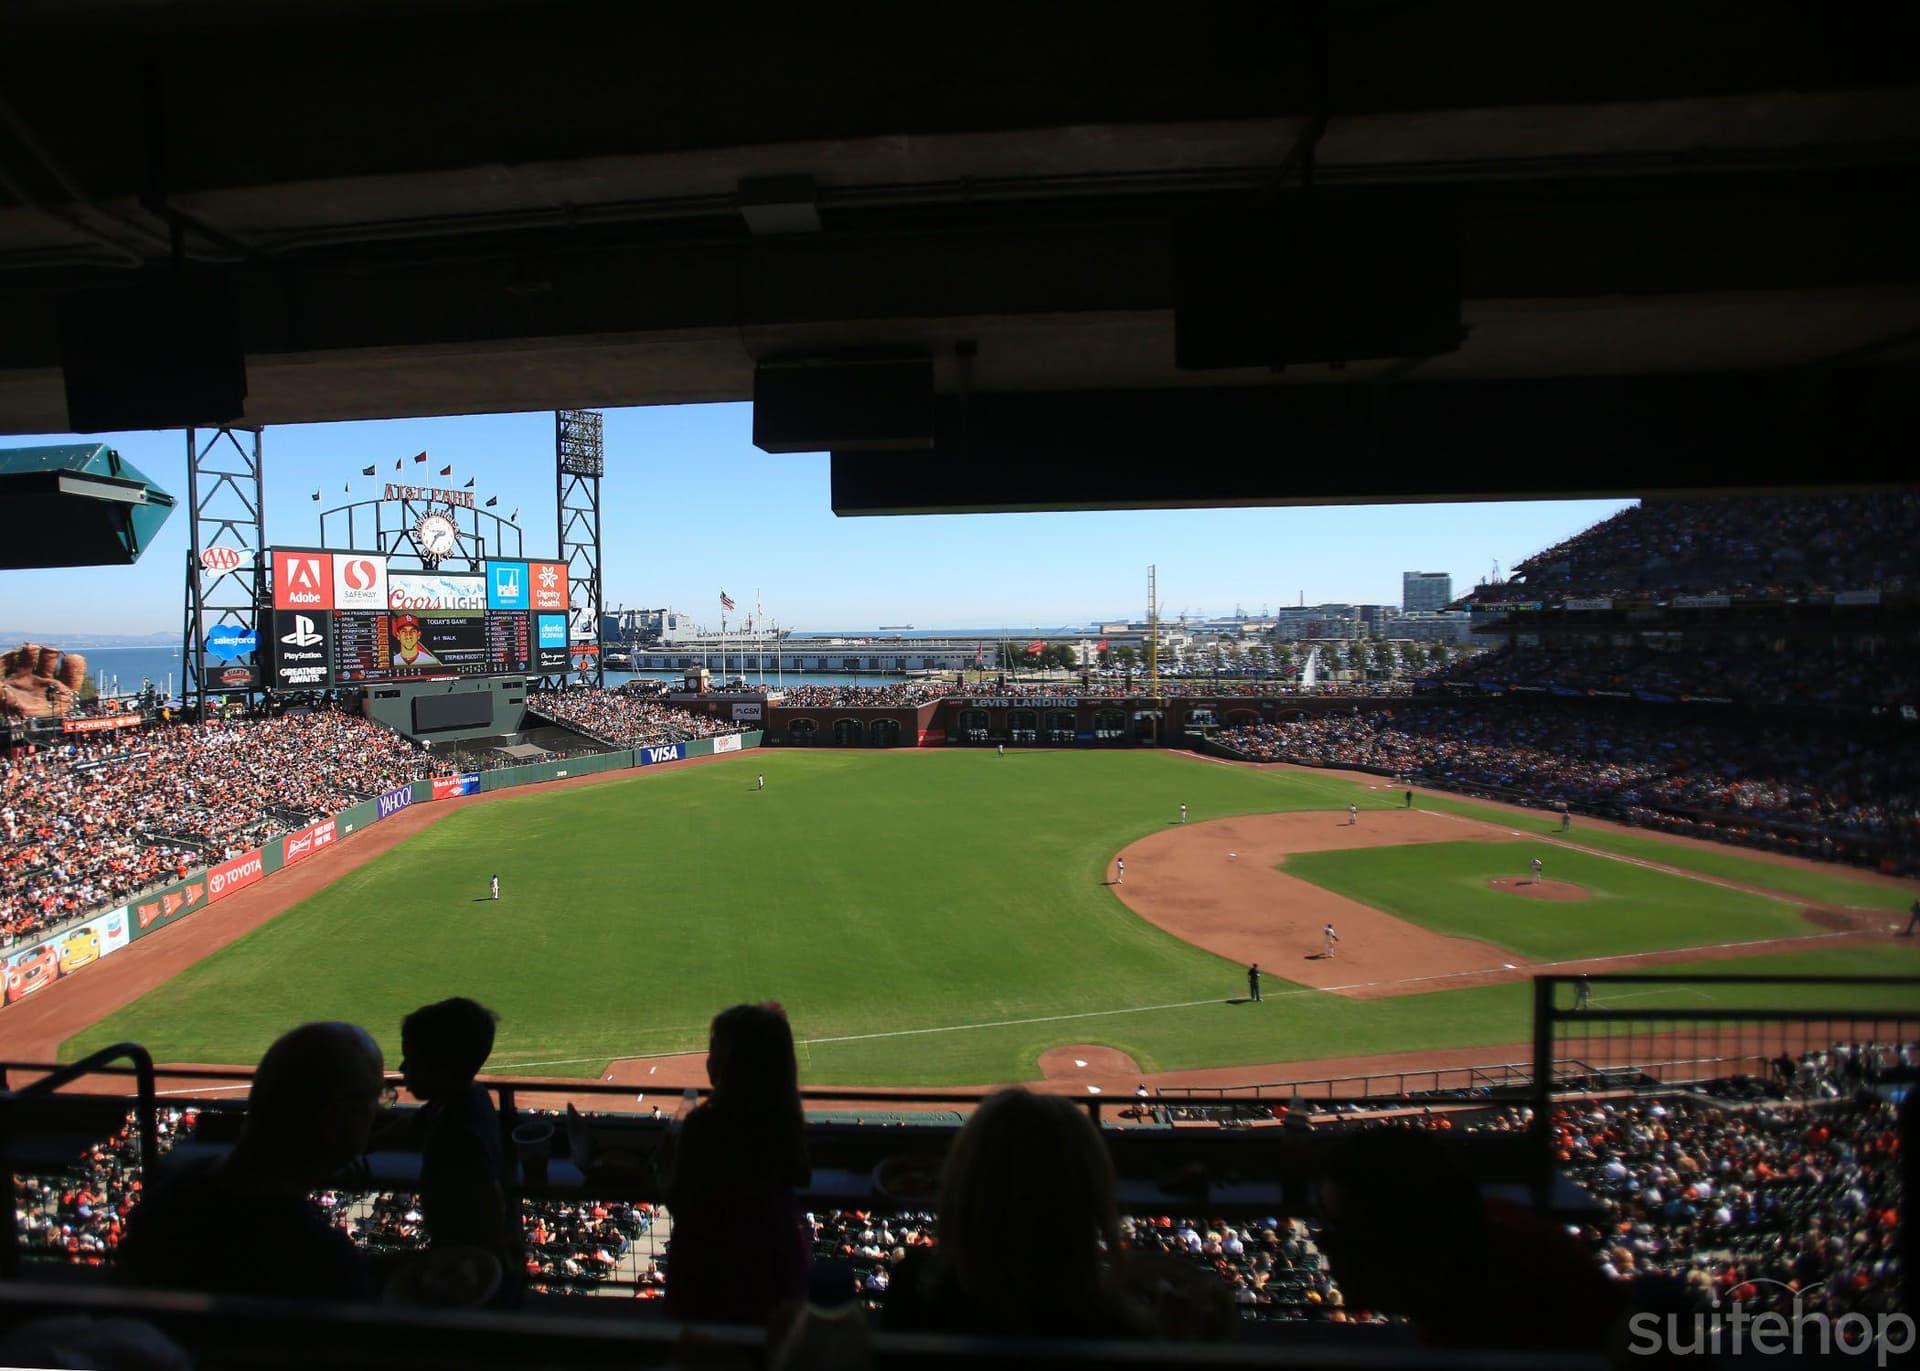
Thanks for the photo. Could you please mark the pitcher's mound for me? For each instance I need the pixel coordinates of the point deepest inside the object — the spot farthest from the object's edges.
(1540, 890)
(1086, 1061)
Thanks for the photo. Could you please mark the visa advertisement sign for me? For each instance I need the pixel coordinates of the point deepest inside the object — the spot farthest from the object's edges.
(660, 752)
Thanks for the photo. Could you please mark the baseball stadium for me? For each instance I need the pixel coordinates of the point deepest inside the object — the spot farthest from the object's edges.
(410, 990)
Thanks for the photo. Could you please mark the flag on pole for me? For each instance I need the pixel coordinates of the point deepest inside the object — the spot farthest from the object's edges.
(421, 457)
(447, 470)
(345, 488)
(1103, 645)
(368, 471)
(316, 495)
(1035, 649)
(726, 600)
(514, 517)
(470, 481)
(493, 500)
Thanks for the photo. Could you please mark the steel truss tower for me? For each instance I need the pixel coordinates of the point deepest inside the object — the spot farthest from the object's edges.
(579, 463)
(226, 571)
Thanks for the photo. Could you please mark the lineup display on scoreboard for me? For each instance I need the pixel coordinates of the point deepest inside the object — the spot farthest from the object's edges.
(347, 618)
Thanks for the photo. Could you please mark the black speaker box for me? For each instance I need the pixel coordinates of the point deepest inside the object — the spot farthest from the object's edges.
(843, 406)
(156, 354)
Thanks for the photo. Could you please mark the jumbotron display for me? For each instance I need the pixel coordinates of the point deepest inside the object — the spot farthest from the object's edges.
(347, 618)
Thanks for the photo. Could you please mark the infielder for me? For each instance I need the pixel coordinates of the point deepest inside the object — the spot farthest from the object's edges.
(494, 884)
(1583, 995)
(1566, 818)
(1328, 938)
(1120, 871)
(1536, 870)
(1353, 815)
(1183, 813)
(1253, 983)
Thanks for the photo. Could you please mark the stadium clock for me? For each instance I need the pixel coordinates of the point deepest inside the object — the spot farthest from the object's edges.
(436, 535)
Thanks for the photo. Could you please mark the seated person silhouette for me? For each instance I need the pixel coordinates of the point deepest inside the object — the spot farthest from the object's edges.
(737, 1251)
(246, 1224)
(1021, 1153)
(463, 1175)
(1407, 1232)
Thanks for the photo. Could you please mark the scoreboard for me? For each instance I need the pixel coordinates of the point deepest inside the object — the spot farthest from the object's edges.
(348, 618)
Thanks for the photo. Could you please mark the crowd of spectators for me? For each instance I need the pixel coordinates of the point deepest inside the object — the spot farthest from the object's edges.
(89, 823)
(1816, 792)
(1801, 674)
(892, 695)
(1761, 546)
(624, 718)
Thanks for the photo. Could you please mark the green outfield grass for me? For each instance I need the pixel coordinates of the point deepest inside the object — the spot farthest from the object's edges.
(925, 918)
(1443, 886)
(1833, 887)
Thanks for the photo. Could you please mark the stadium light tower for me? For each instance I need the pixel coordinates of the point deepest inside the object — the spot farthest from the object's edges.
(579, 463)
(226, 566)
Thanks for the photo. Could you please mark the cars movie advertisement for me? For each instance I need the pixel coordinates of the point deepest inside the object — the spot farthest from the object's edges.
(302, 580)
(303, 843)
(93, 940)
(237, 874)
(175, 902)
(35, 969)
(451, 787)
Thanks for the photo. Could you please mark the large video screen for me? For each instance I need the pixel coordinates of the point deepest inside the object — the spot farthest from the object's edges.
(347, 618)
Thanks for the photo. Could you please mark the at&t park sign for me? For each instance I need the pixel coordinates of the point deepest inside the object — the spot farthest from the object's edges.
(460, 498)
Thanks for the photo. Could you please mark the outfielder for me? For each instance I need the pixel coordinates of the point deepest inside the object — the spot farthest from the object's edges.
(1536, 871)
(763, 783)
(1327, 939)
(1120, 871)
(1183, 813)
(494, 884)
(1582, 995)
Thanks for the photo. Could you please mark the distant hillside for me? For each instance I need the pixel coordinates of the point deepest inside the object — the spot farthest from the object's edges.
(13, 637)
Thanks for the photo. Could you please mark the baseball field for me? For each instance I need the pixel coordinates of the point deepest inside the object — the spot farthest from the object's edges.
(951, 918)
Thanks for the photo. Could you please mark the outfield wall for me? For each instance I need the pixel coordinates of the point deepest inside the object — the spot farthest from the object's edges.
(54, 956)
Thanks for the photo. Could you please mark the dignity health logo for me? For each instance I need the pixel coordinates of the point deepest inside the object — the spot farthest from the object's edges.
(1729, 1330)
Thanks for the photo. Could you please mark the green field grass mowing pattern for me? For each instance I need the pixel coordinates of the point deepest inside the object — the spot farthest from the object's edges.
(932, 919)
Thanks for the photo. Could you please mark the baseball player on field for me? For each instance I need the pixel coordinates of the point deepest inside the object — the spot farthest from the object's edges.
(1536, 870)
(1353, 814)
(1327, 939)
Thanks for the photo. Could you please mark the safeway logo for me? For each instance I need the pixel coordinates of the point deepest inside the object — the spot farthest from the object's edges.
(222, 559)
(303, 634)
(359, 582)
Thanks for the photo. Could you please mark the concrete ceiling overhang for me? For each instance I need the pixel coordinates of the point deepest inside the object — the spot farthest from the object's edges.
(431, 208)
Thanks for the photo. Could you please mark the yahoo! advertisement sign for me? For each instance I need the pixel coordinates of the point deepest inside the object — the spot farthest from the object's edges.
(394, 801)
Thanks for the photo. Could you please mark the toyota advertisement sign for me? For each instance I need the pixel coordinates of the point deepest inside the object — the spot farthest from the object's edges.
(224, 879)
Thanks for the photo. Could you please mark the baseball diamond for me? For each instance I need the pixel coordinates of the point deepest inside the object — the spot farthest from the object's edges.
(954, 903)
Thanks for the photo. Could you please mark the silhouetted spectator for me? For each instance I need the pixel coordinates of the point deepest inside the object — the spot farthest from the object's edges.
(1022, 1153)
(1408, 1233)
(737, 1249)
(463, 1176)
(246, 1224)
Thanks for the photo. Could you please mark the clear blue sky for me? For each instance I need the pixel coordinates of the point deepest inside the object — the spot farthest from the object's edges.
(691, 507)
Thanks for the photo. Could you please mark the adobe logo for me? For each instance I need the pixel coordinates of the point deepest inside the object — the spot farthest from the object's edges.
(303, 580)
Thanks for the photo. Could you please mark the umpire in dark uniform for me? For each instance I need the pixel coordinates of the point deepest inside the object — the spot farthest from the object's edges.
(1253, 983)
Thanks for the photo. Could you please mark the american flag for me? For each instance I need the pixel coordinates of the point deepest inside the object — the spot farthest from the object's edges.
(726, 601)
